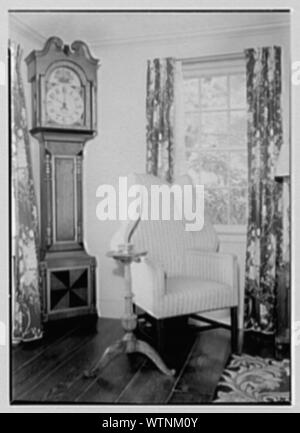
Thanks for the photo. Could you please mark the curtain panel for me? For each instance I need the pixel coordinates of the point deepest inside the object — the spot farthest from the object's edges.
(160, 118)
(265, 207)
(26, 306)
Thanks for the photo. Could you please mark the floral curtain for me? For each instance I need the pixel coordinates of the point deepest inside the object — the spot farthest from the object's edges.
(160, 117)
(265, 221)
(25, 294)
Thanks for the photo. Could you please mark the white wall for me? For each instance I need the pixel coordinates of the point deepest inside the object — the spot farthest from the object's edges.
(120, 145)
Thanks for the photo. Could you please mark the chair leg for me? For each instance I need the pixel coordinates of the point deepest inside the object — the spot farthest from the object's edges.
(234, 329)
(160, 335)
(240, 341)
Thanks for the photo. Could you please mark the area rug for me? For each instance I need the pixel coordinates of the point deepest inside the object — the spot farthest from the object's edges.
(248, 379)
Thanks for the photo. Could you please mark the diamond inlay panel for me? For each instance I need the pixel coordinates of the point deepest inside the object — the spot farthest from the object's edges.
(68, 289)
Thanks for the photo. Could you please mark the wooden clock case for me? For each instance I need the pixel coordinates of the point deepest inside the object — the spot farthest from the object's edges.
(67, 270)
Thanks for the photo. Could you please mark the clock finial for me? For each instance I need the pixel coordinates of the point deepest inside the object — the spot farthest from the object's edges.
(81, 49)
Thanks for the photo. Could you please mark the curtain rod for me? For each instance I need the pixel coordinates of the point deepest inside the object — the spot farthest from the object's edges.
(210, 58)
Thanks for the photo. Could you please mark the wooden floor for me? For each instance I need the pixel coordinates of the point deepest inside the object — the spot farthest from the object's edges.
(51, 370)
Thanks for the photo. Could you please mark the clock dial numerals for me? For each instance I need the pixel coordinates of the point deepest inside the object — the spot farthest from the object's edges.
(64, 102)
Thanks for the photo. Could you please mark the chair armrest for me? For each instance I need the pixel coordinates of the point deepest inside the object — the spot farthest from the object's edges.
(148, 282)
(219, 267)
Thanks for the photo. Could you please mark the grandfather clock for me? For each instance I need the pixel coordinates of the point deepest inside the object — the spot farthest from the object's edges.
(64, 84)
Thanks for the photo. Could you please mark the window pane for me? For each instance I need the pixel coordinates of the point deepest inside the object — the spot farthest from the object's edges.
(213, 168)
(238, 169)
(238, 125)
(191, 94)
(236, 141)
(238, 208)
(193, 163)
(214, 92)
(216, 142)
(217, 205)
(237, 91)
(191, 129)
(194, 174)
(214, 122)
(211, 141)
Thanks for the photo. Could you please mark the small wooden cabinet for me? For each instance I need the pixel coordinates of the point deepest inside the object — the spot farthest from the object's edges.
(64, 89)
(68, 284)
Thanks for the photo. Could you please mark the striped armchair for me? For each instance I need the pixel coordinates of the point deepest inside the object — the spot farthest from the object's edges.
(183, 272)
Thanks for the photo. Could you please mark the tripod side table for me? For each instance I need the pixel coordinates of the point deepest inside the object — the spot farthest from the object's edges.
(129, 343)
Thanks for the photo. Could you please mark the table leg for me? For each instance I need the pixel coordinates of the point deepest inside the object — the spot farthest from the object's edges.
(146, 349)
(129, 343)
(110, 353)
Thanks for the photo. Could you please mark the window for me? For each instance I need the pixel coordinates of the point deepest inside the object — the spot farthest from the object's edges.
(215, 136)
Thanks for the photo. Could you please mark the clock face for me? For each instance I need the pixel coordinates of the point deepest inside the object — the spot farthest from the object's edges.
(64, 97)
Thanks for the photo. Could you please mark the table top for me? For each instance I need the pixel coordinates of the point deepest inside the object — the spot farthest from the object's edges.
(128, 256)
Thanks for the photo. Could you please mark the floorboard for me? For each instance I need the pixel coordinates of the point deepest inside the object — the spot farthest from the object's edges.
(149, 385)
(52, 370)
(183, 398)
(66, 382)
(113, 380)
(24, 353)
(31, 374)
(203, 368)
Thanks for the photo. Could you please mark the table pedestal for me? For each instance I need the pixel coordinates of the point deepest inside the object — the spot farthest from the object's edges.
(129, 343)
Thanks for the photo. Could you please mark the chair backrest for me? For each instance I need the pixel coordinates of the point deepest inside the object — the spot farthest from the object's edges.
(167, 240)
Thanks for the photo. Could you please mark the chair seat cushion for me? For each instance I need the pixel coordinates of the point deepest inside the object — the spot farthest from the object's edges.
(187, 295)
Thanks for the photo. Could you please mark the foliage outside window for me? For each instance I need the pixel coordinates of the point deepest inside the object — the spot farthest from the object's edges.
(215, 138)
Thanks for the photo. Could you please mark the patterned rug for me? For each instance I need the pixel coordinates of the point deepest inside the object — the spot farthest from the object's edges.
(248, 379)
